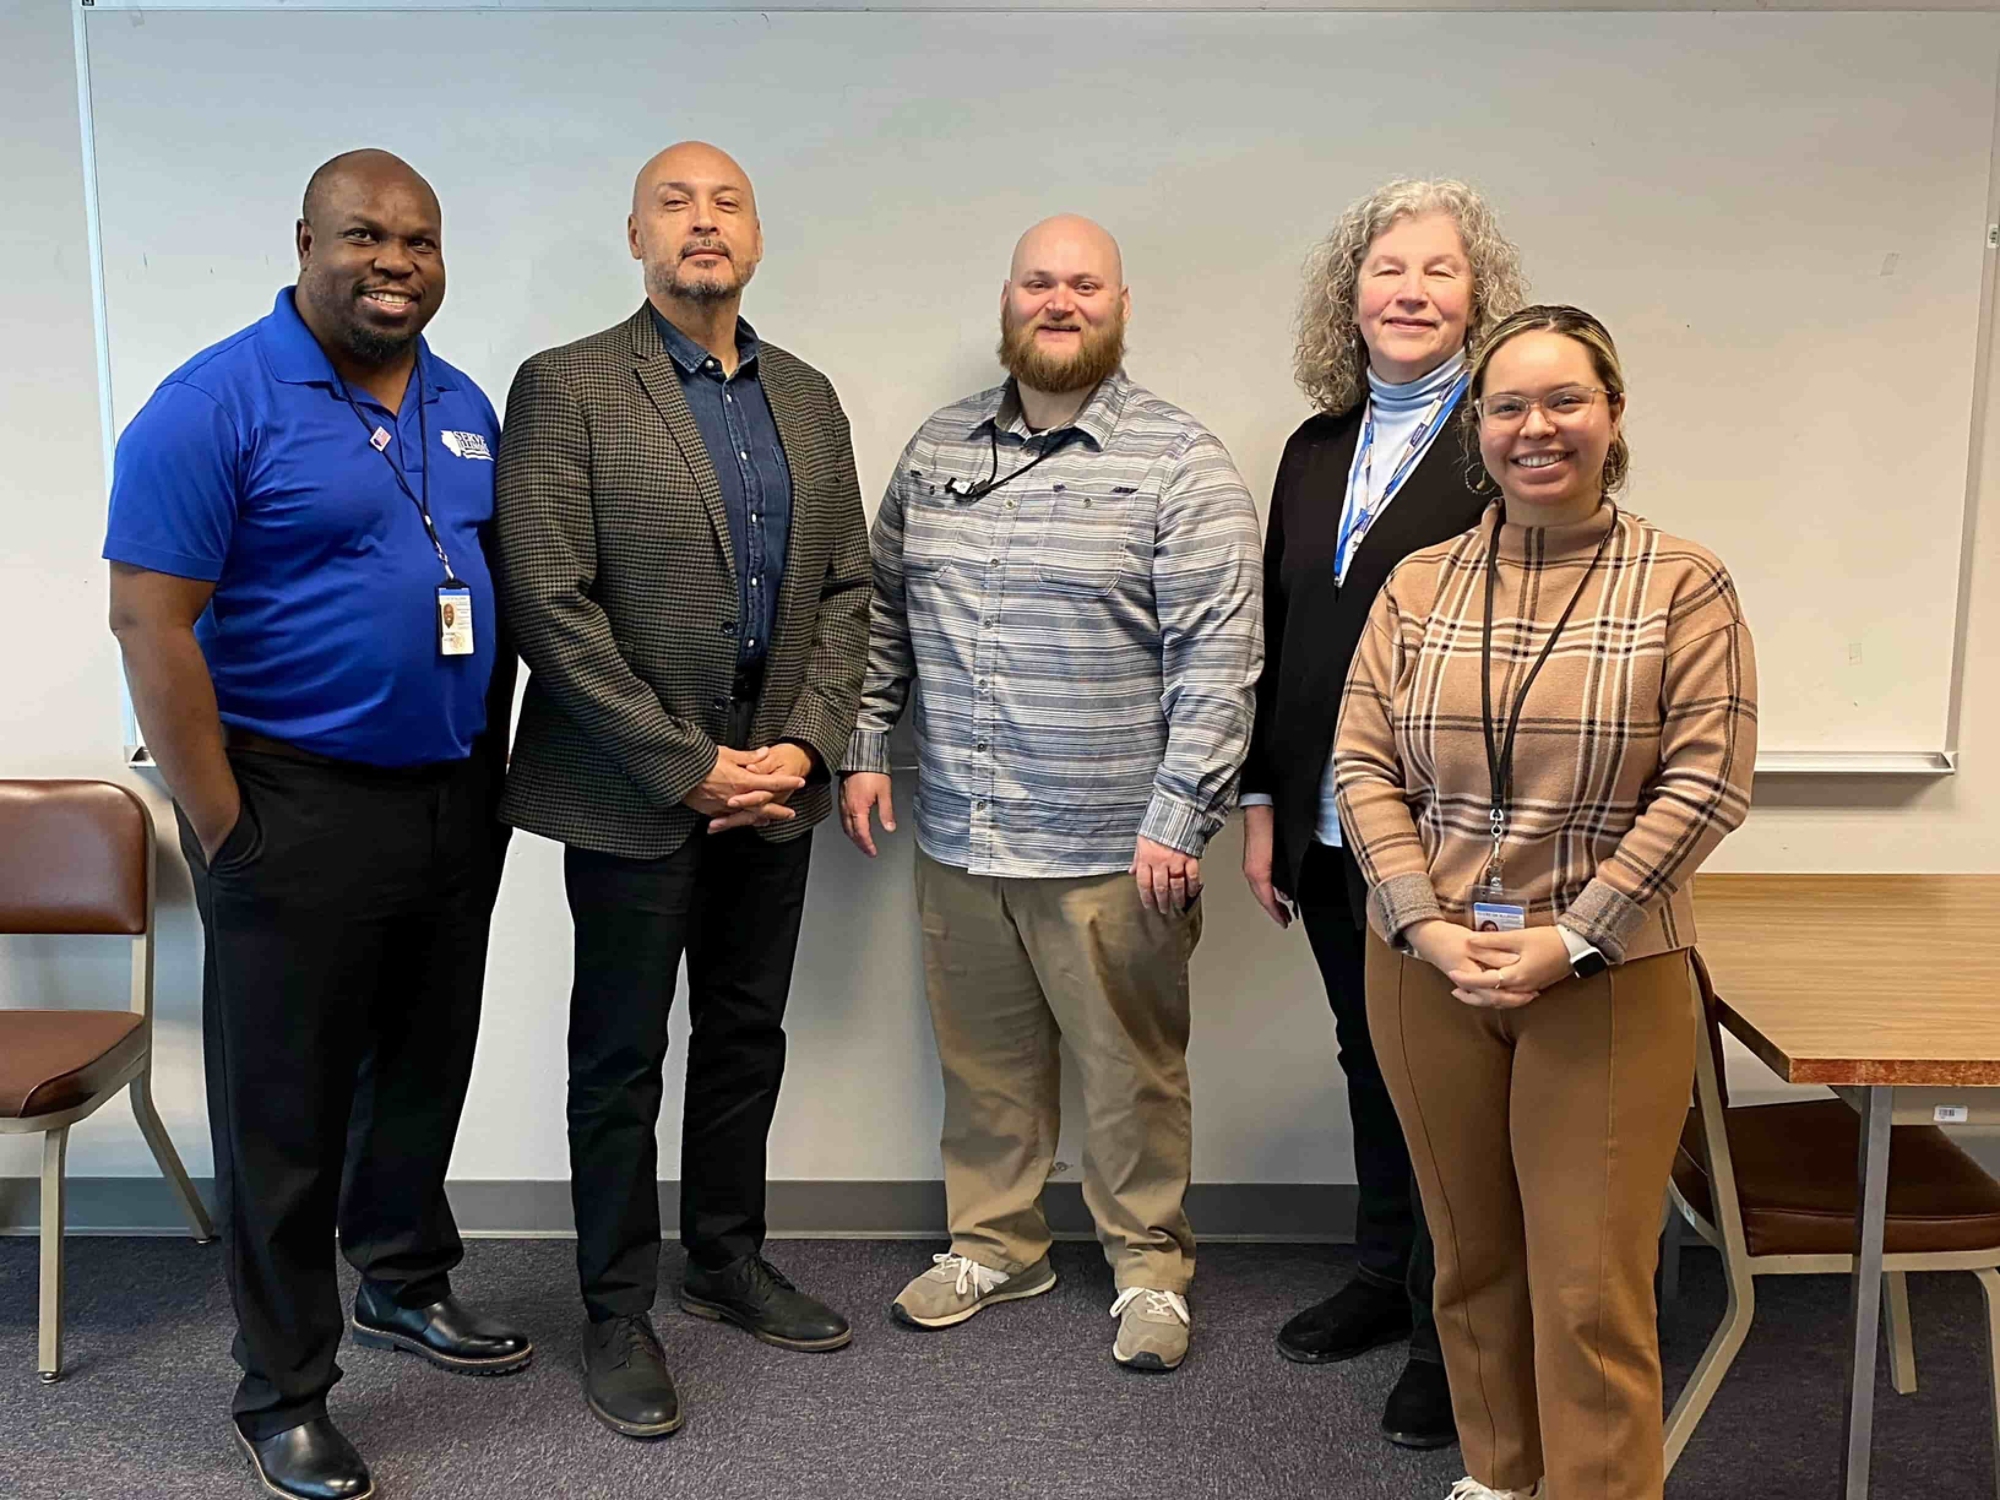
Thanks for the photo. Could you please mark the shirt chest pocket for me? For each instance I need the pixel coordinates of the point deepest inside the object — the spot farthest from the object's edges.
(1089, 537)
(937, 526)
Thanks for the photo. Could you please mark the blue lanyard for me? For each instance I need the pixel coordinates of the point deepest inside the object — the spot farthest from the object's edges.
(1358, 514)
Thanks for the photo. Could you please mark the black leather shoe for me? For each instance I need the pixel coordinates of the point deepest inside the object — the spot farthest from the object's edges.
(753, 1294)
(1419, 1411)
(446, 1333)
(309, 1462)
(1359, 1317)
(625, 1378)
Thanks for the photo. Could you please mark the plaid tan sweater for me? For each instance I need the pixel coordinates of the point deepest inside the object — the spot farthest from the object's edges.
(1635, 747)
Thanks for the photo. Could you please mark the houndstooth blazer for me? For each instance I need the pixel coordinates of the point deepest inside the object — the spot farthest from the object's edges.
(619, 583)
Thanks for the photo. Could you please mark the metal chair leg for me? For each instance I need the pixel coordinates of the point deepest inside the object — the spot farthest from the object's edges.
(167, 1157)
(1671, 1238)
(1902, 1346)
(1715, 1360)
(55, 1148)
(1989, 1283)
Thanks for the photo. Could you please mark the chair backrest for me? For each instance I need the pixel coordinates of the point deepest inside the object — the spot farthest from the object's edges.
(75, 857)
(1711, 1016)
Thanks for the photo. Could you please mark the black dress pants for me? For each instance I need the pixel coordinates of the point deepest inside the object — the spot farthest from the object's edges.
(732, 903)
(1392, 1246)
(346, 919)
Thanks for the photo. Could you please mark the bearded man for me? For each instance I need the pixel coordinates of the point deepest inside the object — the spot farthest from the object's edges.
(1068, 567)
(686, 563)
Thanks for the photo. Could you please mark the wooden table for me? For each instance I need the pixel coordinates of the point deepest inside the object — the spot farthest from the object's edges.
(1886, 988)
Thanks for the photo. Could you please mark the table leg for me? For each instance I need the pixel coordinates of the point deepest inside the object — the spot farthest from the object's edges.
(1865, 1321)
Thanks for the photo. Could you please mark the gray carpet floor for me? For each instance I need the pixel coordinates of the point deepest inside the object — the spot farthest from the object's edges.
(1023, 1401)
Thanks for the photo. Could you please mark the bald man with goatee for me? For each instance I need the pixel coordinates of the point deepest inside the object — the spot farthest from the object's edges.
(686, 563)
(1069, 567)
(299, 584)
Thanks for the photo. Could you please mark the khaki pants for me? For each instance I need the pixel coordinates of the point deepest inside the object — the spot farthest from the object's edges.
(1542, 1139)
(1012, 968)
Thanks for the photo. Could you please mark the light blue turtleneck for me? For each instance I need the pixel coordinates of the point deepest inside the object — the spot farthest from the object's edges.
(1397, 409)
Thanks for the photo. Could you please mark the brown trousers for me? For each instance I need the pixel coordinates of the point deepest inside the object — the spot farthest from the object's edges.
(1542, 1138)
(1014, 967)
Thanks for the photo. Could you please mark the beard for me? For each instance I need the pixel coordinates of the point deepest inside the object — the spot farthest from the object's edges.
(702, 288)
(1099, 352)
(373, 347)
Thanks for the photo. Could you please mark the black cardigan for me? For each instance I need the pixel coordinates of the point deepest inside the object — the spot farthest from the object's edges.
(1312, 628)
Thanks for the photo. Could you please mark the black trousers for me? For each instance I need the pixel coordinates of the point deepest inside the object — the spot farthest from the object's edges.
(732, 904)
(346, 920)
(1392, 1246)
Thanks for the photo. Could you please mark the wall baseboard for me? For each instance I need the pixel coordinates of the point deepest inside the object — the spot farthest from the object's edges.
(798, 1210)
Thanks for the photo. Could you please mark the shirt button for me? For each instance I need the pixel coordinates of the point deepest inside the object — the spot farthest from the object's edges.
(982, 684)
(980, 805)
(1010, 505)
(981, 746)
(722, 703)
(743, 455)
(993, 559)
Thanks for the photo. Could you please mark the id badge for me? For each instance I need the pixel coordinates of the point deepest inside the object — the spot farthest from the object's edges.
(454, 621)
(1495, 915)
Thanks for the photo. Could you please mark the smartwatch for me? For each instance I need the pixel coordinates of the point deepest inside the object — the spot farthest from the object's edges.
(1584, 960)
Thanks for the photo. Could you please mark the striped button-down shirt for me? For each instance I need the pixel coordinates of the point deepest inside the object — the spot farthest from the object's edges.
(1086, 638)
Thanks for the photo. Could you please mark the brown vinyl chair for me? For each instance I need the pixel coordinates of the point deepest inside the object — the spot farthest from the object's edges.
(1774, 1188)
(77, 857)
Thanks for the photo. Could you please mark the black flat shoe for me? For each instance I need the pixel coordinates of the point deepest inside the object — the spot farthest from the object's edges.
(754, 1295)
(1419, 1411)
(309, 1462)
(448, 1334)
(625, 1379)
(1359, 1317)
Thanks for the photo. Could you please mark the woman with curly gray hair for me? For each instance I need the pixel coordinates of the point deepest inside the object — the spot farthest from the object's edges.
(1397, 297)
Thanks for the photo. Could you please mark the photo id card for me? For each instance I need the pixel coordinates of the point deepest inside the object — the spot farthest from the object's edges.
(454, 621)
(1498, 916)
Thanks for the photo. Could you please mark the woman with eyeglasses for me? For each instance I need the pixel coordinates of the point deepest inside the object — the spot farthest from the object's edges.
(1411, 278)
(1550, 724)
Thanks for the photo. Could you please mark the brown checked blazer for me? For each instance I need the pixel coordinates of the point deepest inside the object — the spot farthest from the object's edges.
(619, 584)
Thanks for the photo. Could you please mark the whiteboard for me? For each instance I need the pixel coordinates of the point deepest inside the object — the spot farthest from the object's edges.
(1782, 217)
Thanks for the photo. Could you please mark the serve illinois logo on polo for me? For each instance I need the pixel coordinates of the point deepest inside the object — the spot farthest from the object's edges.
(466, 445)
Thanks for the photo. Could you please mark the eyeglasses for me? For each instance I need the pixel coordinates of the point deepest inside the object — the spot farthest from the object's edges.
(1570, 403)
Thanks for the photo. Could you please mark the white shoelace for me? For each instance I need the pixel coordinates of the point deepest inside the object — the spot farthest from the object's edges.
(963, 1272)
(1469, 1488)
(1160, 1305)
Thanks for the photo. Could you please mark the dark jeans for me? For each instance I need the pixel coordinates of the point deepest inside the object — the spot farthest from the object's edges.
(346, 919)
(732, 904)
(1392, 1246)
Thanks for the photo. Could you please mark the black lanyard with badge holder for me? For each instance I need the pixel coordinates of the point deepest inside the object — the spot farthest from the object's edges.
(1491, 910)
(454, 597)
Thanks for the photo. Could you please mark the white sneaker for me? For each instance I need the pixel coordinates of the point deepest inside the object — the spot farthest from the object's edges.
(1152, 1330)
(1469, 1488)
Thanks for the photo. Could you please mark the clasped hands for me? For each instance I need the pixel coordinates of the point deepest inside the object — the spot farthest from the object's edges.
(1492, 970)
(750, 788)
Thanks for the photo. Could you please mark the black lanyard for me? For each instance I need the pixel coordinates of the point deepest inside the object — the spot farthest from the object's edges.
(987, 486)
(421, 501)
(1500, 753)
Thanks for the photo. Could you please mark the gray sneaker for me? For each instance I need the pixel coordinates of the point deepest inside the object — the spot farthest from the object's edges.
(1152, 1330)
(955, 1288)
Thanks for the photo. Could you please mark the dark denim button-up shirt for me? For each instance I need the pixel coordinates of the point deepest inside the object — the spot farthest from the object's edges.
(743, 447)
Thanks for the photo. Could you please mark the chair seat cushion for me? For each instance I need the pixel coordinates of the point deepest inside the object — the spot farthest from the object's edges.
(1795, 1179)
(55, 1059)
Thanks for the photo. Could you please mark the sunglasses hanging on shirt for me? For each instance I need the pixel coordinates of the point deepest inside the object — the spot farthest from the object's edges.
(959, 490)
(454, 598)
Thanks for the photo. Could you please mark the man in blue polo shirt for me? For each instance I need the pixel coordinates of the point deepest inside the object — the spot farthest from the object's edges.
(300, 589)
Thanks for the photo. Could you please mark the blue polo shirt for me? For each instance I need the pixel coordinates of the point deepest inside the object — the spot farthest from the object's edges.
(249, 469)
